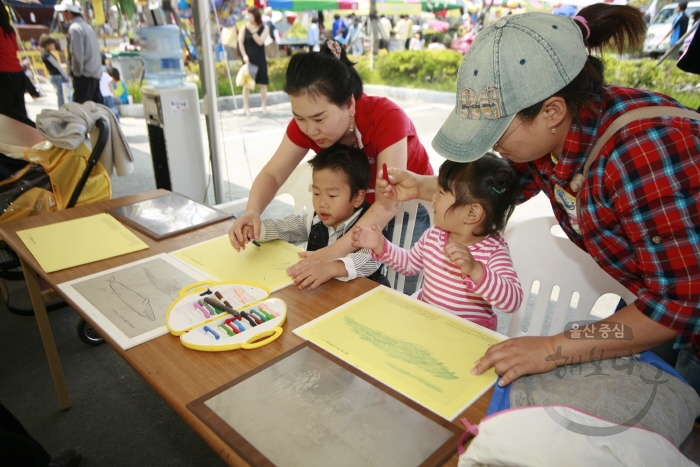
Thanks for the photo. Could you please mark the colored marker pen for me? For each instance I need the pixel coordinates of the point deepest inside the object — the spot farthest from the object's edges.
(231, 322)
(258, 314)
(269, 310)
(254, 242)
(255, 317)
(200, 308)
(385, 172)
(237, 322)
(250, 320)
(227, 329)
(206, 306)
(221, 297)
(241, 294)
(208, 329)
(220, 306)
(267, 315)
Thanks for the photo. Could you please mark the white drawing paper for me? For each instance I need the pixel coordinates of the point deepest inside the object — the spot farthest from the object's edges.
(130, 302)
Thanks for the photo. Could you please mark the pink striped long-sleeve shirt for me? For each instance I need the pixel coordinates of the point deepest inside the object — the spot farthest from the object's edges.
(446, 286)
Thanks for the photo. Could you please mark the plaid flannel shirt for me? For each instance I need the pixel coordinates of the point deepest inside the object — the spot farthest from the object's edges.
(639, 205)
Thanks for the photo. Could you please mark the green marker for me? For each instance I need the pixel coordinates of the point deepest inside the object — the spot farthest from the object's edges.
(226, 328)
(266, 314)
(259, 315)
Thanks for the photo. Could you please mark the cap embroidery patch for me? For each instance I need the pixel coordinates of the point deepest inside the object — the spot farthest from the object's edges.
(487, 105)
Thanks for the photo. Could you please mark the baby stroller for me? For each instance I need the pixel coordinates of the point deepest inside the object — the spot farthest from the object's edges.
(38, 177)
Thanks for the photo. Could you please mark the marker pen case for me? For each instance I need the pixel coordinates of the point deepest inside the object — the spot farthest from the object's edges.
(202, 326)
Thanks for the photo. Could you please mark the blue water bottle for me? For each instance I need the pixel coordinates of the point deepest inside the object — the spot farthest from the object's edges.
(162, 55)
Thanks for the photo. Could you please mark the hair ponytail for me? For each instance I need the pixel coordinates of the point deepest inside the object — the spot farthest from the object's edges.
(322, 73)
(617, 27)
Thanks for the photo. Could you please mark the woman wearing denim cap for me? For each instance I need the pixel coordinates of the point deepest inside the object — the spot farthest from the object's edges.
(528, 89)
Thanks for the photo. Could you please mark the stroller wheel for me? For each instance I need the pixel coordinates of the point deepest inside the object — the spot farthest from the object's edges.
(88, 335)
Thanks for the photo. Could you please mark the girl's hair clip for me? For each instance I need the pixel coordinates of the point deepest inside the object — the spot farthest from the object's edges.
(500, 192)
(334, 46)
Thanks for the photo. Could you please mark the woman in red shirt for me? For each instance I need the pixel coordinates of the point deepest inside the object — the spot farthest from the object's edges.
(12, 77)
(329, 107)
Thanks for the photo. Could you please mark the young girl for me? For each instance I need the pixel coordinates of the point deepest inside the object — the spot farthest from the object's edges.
(466, 263)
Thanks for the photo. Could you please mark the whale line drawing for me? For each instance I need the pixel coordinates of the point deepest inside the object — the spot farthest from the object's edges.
(132, 299)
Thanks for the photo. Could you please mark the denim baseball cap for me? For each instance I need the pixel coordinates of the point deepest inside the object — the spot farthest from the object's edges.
(512, 64)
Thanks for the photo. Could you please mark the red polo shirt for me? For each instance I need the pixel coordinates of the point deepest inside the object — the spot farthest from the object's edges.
(380, 123)
(9, 63)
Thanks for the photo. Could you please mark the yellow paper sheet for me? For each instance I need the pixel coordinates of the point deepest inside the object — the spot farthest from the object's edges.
(265, 265)
(79, 241)
(420, 351)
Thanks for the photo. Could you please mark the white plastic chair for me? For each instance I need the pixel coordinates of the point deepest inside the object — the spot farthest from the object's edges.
(409, 210)
(554, 262)
(298, 186)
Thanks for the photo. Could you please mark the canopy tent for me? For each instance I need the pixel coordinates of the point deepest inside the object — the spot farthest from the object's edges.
(408, 7)
(361, 7)
(441, 5)
(583, 3)
(302, 5)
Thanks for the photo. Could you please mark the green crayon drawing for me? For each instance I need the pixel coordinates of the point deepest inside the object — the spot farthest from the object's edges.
(413, 354)
(412, 375)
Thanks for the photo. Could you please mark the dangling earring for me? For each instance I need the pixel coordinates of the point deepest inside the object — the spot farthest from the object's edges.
(352, 124)
(554, 130)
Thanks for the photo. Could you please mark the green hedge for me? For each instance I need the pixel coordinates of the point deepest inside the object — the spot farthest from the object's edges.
(666, 79)
(424, 69)
(437, 70)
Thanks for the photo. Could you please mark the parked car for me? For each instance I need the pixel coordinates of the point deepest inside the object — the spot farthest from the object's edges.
(660, 26)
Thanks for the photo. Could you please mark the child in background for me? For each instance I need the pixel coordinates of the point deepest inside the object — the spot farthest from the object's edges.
(340, 179)
(59, 77)
(106, 88)
(467, 266)
(121, 93)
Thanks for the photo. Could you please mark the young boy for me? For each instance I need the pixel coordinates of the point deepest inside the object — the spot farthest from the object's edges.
(340, 180)
(56, 71)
